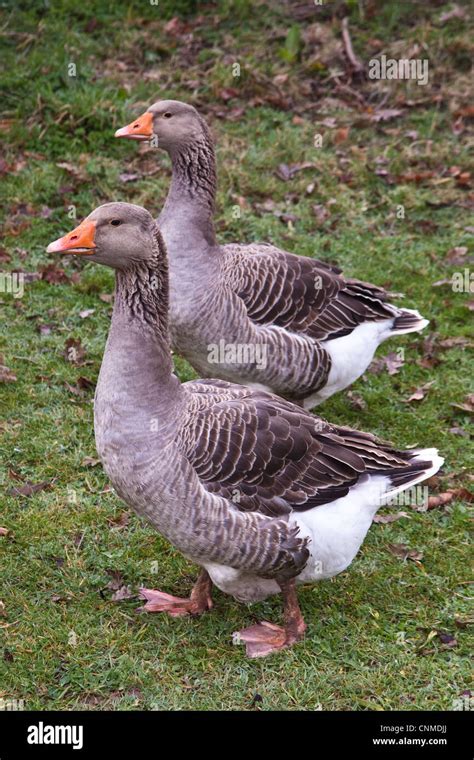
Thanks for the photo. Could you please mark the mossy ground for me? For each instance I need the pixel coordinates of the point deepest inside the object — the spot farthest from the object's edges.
(370, 643)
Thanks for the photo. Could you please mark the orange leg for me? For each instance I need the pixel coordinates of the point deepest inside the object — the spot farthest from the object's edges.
(199, 601)
(264, 638)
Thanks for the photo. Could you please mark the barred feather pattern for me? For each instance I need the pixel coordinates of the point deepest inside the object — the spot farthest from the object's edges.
(217, 468)
(255, 294)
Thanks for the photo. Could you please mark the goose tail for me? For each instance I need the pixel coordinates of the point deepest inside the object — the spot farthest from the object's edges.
(422, 465)
(408, 321)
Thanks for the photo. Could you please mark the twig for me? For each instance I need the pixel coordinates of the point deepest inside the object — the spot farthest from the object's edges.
(346, 38)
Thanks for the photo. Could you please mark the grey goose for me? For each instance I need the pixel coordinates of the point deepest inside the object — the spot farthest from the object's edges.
(255, 314)
(257, 491)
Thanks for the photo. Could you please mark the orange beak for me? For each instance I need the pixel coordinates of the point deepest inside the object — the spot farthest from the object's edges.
(140, 129)
(81, 240)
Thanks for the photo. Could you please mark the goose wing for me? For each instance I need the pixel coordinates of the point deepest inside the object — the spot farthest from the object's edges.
(268, 456)
(301, 294)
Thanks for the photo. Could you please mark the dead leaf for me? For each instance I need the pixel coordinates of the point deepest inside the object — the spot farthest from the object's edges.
(129, 177)
(468, 405)
(286, 172)
(420, 393)
(106, 297)
(72, 169)
(392, 363)
(4, 531)
(45, 329)
(455, 430)
(6, 375)
(86, 313)
(121, 521)
(457, 255)
(454, 12)
(53, 274)
(455, 342)
(447, 639)
(385, 114)
(356, 401)
(392, 517)
(321, 213)
(341, 135)
(404, 552)
(124, 592)
(462, 494)
(90, 462)
(29, 488)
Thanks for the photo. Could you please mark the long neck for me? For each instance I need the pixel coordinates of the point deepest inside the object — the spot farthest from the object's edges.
(137, 368)
(189, 207)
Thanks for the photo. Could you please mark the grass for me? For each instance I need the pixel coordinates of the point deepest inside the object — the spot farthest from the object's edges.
(372, 641)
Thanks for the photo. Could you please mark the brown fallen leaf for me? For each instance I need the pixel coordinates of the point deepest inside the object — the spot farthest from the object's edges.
(124, 592)
(341, 135)
(463, 494)
(129, 177)
(86, 313)
(455, 12)
(356, 401)
(447, 639)
(420, 393)
(456, 430)
(45, 329)
(90, 462)
(385, 114)
(5, 257)
(53, 274)
(286, 172)
(106, 297)
(440, 500)
(6, 375)
(457, 255)
(120, 522)
(458, 342)
(468, 405)
(417, 177)
(404, 552)
(463, 622)
(392, 363)
(29, 488)
(385, 519)
(73, 169)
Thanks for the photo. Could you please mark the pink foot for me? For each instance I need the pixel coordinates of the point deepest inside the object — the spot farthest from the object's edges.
(158, 601)
(264, 638)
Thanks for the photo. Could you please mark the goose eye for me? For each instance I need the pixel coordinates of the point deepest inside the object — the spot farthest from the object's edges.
(167, 115)
(116, 222)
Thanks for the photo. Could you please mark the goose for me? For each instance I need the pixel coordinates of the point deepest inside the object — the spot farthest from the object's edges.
(258, 492)
(254, 314)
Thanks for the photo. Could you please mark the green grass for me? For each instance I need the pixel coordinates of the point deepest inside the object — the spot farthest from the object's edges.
(63, 642)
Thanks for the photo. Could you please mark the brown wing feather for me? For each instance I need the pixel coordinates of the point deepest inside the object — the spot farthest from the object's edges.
(301, 294)
(267, 455)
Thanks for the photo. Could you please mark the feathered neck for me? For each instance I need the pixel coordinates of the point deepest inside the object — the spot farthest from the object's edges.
(193, 186)
(141, 292)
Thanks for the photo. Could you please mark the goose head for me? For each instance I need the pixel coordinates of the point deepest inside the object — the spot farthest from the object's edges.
(173, 125)
(118, 235)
